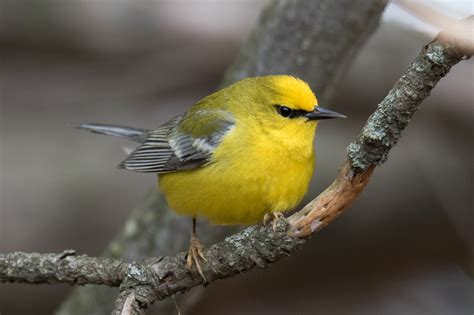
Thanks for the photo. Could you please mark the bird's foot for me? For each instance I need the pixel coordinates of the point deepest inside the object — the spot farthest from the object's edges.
(195, 254)
(274, 217)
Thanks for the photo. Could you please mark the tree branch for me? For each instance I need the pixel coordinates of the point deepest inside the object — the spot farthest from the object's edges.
(381, 132)
(144, 282)
(383, 129)
(66, 267)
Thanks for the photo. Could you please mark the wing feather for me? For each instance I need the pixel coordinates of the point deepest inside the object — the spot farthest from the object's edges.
(176, 146)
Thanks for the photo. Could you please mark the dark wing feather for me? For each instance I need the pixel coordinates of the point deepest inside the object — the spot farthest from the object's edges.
(176, 146)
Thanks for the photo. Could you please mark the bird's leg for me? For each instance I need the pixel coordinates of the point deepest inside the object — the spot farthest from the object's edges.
(195, 252)
(274, 217)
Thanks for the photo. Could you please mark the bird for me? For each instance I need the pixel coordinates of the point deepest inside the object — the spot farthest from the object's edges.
(238, 156)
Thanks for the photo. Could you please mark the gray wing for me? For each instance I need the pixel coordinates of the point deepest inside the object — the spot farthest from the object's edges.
(172, 148)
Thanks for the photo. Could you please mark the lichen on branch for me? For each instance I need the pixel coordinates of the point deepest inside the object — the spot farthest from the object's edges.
(384, 127)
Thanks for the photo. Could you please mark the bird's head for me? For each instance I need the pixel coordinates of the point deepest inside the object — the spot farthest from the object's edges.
(283, 105)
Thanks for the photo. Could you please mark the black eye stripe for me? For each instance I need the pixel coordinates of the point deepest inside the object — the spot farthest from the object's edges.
(288, 112)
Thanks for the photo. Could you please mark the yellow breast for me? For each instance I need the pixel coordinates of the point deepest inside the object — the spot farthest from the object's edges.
(251, 173)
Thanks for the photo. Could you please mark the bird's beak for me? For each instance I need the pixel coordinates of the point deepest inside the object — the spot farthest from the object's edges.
(322, 113)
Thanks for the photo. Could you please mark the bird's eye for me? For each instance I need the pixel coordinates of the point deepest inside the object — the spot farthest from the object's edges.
(284, 111)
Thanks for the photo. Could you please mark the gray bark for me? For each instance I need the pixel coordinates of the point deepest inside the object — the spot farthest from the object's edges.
(66, 267)
(384, 127)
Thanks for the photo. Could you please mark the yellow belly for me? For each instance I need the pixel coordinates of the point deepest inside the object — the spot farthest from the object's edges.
(242, 183)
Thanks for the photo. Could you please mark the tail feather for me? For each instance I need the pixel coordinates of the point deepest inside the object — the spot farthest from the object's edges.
(130, 133)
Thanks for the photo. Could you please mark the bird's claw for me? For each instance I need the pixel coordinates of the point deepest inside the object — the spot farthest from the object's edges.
(195, 254)
(274, 217)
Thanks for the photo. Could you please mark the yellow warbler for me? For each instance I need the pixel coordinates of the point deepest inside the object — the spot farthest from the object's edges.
(237, 155)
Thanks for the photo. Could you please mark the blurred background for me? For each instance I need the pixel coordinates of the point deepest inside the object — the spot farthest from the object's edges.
(405, 247)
